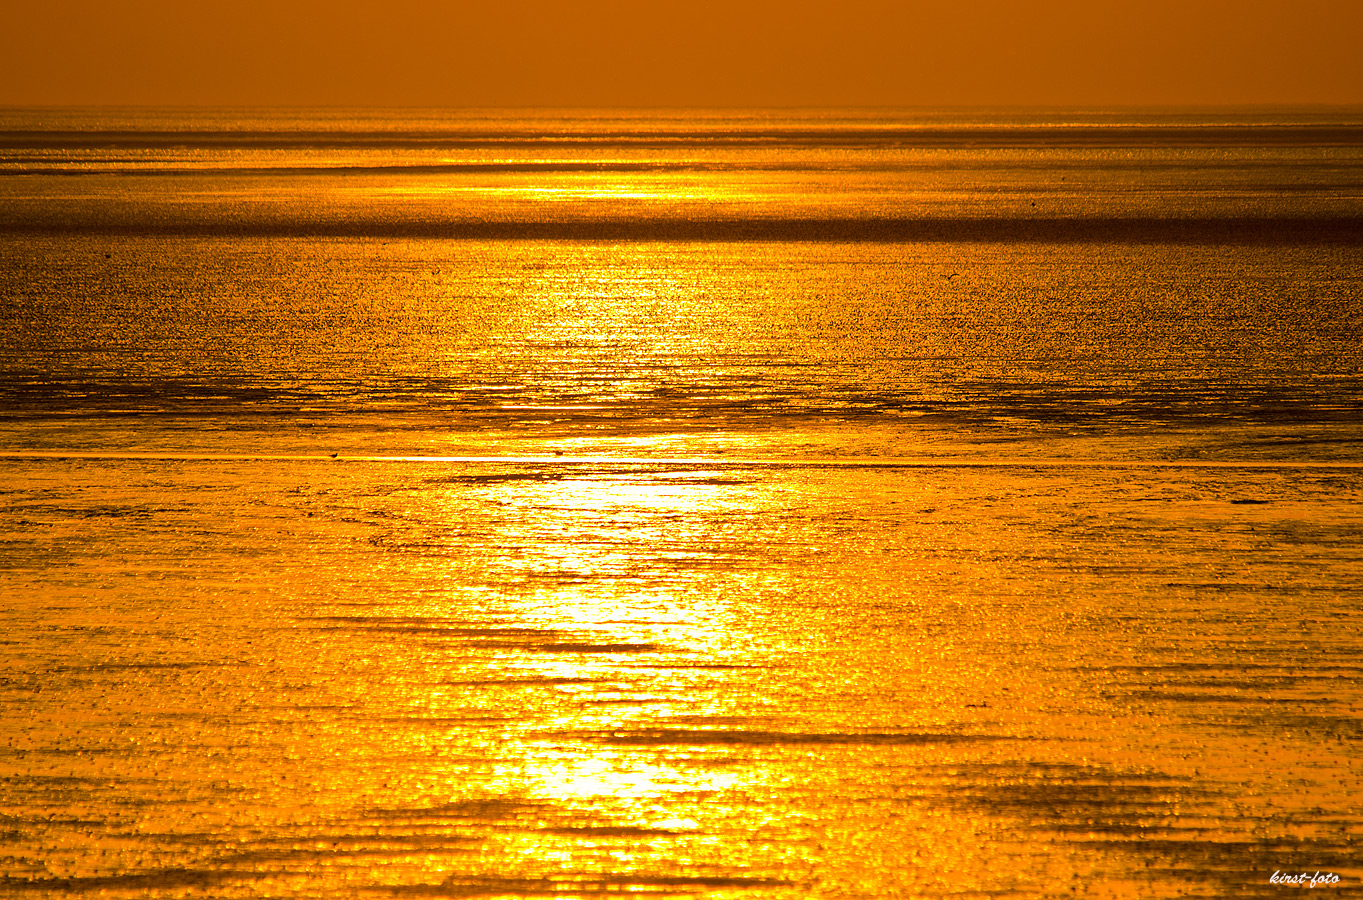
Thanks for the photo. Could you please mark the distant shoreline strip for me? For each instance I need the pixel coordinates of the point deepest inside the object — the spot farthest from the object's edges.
(563, 135)
(696, 461)
(54, 220)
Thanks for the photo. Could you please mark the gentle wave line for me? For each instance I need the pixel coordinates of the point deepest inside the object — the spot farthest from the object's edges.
(712, 462)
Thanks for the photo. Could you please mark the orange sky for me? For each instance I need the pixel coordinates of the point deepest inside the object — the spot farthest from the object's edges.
(667, 53)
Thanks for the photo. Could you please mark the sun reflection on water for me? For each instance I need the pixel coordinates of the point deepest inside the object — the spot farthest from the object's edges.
(624, 777)
(665, 194)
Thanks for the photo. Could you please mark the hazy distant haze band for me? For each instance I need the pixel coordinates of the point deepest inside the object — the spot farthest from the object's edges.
(1265, 178)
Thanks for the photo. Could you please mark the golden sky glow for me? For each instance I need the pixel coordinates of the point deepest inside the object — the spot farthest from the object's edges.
(625, 53)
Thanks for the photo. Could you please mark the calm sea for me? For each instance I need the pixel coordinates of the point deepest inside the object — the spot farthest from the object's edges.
(690, 505)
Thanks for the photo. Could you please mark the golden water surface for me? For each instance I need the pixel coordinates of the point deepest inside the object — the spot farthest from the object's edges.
(351, 546)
